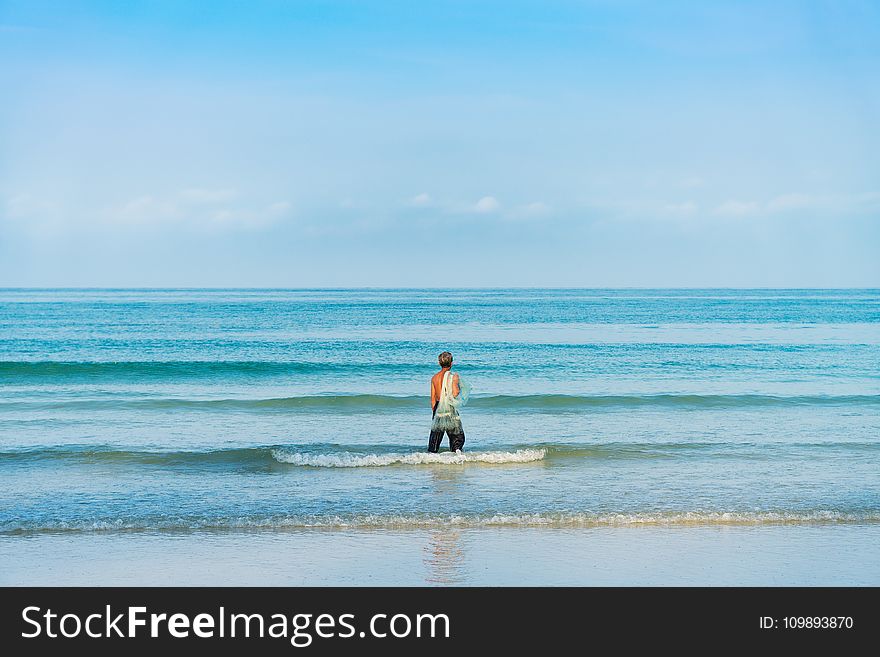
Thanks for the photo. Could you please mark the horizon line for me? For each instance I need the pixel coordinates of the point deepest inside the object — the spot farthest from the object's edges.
(384, 287)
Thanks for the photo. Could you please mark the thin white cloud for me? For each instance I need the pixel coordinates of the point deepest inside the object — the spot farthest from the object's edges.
(279, 208)
(737, 208)
(199, 208)
(147, 209)
(534, 210)
(487, 205)
(421, 200)
(537, 208)
(787, 202)
(246, 218)
(822, 204)
(32, 214)
(683, 209)
(25, 207)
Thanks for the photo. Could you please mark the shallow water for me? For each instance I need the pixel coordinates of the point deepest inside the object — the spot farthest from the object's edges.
(128, 414)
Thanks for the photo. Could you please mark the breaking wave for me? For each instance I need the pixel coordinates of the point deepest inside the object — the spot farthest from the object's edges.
(354, 460)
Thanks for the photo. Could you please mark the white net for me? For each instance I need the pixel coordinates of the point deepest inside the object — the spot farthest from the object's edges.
(464, 392)
(446, 416)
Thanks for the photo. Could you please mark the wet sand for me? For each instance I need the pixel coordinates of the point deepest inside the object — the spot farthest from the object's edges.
(769, 555)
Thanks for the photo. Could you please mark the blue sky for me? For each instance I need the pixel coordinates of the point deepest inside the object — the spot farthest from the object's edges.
(290, 144)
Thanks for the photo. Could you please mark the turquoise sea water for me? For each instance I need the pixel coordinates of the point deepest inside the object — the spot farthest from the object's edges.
(163, 411)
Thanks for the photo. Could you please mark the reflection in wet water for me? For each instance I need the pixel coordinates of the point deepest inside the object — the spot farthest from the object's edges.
(444, 553)
(444, 557)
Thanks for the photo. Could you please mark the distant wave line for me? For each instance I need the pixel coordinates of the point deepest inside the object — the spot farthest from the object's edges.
(185, 368)
(547, 403)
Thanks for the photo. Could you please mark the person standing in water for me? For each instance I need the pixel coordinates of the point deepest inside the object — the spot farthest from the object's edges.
(446, 397)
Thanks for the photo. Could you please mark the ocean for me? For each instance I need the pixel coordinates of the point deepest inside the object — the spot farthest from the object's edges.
(620, 436)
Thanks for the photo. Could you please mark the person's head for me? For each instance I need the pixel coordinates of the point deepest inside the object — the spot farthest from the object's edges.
(445, 359)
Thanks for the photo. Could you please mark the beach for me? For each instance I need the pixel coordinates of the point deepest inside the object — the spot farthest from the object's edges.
(277, 437)
(811, 555)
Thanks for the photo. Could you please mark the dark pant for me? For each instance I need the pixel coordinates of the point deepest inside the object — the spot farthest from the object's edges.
(456, 438)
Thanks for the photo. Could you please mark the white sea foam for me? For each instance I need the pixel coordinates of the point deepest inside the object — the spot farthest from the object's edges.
(354, 460)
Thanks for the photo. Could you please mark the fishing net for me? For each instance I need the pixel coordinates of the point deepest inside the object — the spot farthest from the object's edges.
(446, 416)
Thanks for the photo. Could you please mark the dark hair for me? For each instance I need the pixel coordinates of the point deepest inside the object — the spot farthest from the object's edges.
(445, 359)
